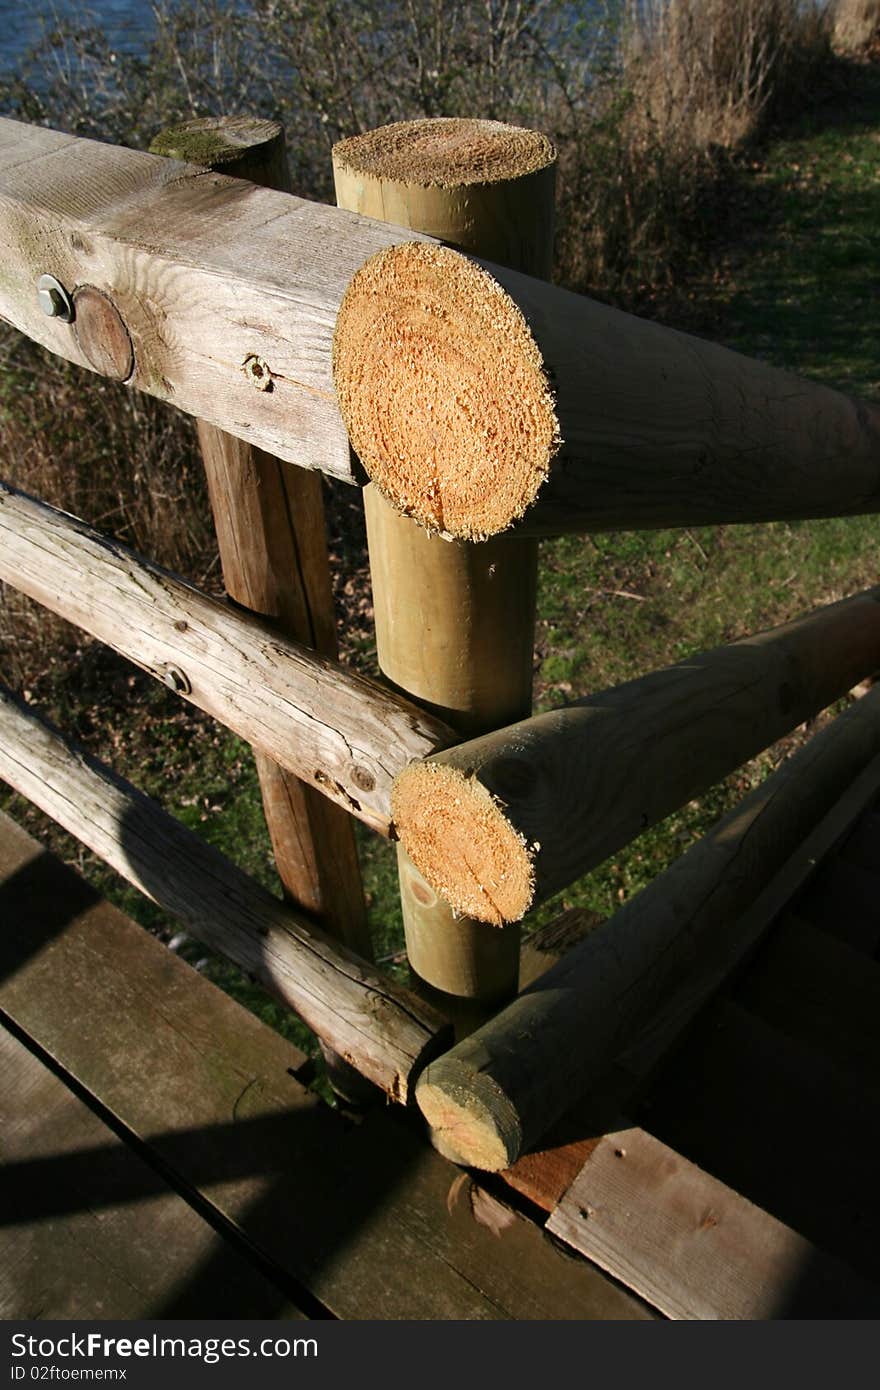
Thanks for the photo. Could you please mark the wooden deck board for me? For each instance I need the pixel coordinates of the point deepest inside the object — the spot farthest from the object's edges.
(106, 1237)
(356, 1214)
(844, 900)
(773, 1118)
(693, 1247)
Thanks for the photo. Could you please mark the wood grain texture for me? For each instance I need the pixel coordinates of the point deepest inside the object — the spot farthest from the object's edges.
(455, 622)
(339, 732)
(377, 1026)
(566, 789)
(625, 993)
(272, 538)
(693, 1247)
(570, 415)
(125, 1245)
(207, 272)
(358, 1214)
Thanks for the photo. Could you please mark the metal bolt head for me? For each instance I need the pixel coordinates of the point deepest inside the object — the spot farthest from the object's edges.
(175, 679)
(53, 299)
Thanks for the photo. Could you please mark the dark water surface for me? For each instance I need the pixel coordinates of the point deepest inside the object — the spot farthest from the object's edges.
(128, 25)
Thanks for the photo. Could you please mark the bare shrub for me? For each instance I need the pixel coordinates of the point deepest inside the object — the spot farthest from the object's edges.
(709, 72)
(856, 25)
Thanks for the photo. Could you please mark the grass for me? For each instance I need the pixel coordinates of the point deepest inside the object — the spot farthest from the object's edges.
(791, 278)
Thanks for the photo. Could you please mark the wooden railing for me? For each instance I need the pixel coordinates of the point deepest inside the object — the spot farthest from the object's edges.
(479, 399)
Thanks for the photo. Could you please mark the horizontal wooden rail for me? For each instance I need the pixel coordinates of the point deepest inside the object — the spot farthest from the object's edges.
(223, 298)
(620, 997)
(380, 1028)
(501, 822)
(206, 291)
(337, 731)
(458, 383)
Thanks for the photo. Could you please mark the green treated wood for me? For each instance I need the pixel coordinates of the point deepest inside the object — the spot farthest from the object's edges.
(357, 1214)
(89, 1230)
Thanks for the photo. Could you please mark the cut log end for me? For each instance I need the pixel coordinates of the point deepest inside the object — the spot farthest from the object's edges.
(443, 391)
(472, 1120)
(215, 140)
(445, 153)
(459, 838)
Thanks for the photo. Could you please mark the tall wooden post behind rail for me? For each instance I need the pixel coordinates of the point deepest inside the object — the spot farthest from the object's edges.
(455, 620)
(271, 534)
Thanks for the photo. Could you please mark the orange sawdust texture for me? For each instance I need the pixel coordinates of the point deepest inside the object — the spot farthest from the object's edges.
(446, 153)
(443, 390)
(460, 840)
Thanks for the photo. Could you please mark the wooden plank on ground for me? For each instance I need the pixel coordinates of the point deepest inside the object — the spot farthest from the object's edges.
(693, 1247)
(359, 1215)
(863, 845)
(228, 292)
(844, 900)
(816, 988)
(773, 1118)
(126, 1246)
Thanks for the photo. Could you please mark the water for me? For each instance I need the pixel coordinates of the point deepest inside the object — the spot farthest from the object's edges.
(128, 25)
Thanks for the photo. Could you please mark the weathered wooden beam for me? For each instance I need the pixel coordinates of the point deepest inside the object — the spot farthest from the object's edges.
(225, 294)
(272, 538)
(337, 731)
(500, 823)
(378, 1027)
(622, 995)
(455, 622)
(476, 396)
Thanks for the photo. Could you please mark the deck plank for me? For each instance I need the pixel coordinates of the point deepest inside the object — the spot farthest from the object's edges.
(125, 1245)
(358, 1214)
(772, 1117)
(693, 1247)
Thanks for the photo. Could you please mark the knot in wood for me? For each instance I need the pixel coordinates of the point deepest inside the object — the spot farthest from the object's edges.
(257, 371)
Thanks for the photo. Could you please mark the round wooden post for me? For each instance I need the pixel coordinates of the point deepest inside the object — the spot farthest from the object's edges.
(271, 534)
(454, 620)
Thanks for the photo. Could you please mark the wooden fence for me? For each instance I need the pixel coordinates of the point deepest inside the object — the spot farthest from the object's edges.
(492, 408)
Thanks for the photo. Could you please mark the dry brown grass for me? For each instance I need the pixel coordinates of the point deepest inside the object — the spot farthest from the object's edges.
(856, 25)
(114, 457)
(708, 72)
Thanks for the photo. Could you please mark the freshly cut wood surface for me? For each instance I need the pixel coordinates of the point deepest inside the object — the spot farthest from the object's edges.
(228, 292)
(123, 1243)
(379, 1027)
(500, 823)
(443, 391)
(483, 186)
(628, 989)
(693, 1247)
(339, 732)
(361, 1216)
(458, 382)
